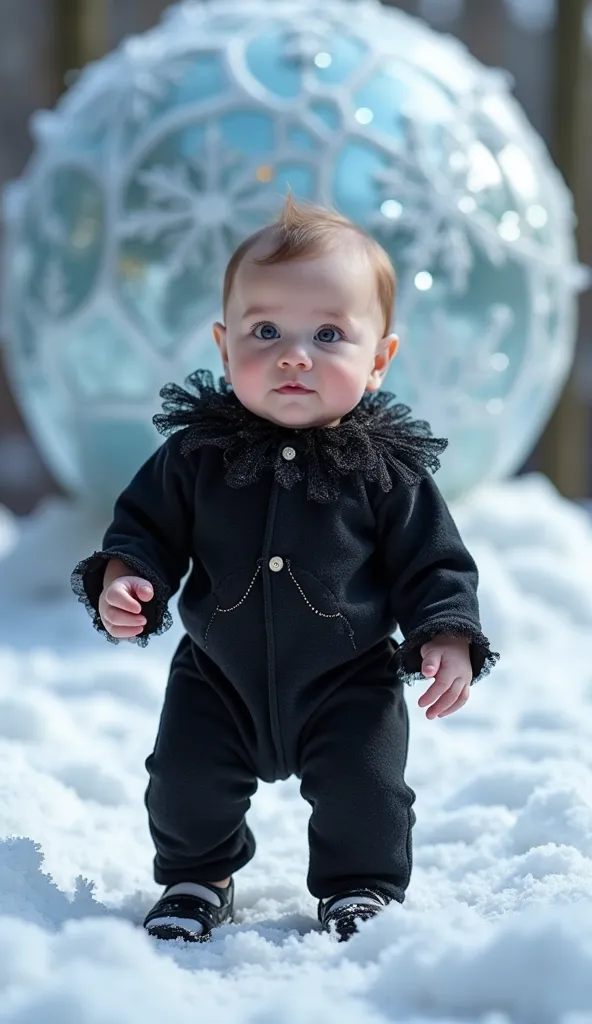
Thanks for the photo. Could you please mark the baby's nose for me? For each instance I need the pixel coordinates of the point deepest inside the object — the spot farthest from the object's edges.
(295, 355)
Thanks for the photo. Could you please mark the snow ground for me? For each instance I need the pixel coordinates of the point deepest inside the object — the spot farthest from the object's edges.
(497, 926)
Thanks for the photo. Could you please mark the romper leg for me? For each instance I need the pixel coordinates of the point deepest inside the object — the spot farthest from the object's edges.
(200, 785)
(352, 761)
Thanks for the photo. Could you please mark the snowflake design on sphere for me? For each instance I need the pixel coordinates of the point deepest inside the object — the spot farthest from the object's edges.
(201, 208)
(440, 213)
(124, 86)
(457, 372)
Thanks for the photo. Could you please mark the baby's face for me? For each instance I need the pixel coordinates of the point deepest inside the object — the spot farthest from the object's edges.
(303, 339)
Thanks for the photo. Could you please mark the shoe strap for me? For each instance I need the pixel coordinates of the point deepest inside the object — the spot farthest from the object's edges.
(350, 898)
(193, 908)
(203, 890)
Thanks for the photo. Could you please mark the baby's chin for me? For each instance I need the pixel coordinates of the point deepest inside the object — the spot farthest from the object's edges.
(294, 415)
(300, 422)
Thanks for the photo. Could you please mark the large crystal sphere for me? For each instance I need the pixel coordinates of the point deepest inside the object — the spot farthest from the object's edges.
(164, 155)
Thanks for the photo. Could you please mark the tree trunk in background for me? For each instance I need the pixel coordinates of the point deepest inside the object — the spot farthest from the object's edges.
(82, 34)
(564, 447)
(27, 82)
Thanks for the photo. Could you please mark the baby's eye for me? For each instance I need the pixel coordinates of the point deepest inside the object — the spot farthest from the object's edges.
(328, 334)
(266, 331)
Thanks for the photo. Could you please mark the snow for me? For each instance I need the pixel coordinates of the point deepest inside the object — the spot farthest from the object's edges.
(497, 926)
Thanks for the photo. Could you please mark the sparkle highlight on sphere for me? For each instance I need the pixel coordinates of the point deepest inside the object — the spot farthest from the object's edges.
(457, 160)
(423, 281)
(509, 227)
(467, 204)
(537, 216)
(364, 115)
(391, 209)
(499, 362)
(323, 60)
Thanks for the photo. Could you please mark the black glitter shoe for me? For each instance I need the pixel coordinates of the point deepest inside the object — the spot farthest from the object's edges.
(190, 911)
(341, 913)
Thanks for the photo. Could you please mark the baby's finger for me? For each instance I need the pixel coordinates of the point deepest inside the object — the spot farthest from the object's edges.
(436, 690)
(115, 617)
(431, 664)
(459, 702)
(446, 674)
(123, 632)
(119, 597)
(447, 699)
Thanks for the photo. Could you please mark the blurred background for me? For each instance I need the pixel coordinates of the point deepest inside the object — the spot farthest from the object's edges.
(545, 45)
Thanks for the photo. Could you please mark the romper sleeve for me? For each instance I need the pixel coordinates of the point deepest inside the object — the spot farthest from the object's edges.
(151, 532)
(433, 578)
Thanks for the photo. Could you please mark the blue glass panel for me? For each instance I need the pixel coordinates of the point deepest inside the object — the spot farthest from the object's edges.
(401, 94)
(301, 138)
(64, 235)
(202, 79)
(266, 62)
(354, 183)
(299, 178)
(345, 53)
(248, 131)
(329, 113)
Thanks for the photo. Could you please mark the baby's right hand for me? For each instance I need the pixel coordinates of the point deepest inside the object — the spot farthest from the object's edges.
(120, 608)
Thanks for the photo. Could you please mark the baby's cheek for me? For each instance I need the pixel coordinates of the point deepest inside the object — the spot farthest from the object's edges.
(240, 359)
(346, 379)
(248, 373)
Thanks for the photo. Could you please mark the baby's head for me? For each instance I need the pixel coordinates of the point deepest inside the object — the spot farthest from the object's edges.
(308, 303)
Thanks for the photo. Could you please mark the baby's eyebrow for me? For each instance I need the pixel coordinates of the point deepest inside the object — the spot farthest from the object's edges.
(274, 311)
(259, 311)
(331, 314)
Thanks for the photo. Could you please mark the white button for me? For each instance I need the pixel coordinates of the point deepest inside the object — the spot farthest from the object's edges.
(289, 454)
(276, 564)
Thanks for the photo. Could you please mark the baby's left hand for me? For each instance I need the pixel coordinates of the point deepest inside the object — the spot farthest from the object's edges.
(447, 659)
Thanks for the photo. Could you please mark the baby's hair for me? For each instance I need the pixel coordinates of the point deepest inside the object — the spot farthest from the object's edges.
(305, 230)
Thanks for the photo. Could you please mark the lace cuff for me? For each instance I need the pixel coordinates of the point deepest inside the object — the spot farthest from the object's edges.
(87, 584)
(409, 659)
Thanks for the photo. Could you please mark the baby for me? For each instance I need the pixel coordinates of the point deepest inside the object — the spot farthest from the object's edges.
(301, 499)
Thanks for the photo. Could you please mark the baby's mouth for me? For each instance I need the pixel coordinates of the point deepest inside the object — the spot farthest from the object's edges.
(293, 389)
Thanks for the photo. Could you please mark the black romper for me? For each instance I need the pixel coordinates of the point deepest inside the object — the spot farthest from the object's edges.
(306, 548)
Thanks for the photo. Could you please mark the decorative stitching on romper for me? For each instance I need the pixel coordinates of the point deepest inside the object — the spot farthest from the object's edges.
(233, 607)
(323, 615)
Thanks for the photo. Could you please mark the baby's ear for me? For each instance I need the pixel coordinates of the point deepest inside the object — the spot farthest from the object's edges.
(219, 332)
(386, 350)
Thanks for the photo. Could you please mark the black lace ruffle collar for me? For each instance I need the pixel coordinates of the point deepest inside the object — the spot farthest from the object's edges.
(375, 437)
